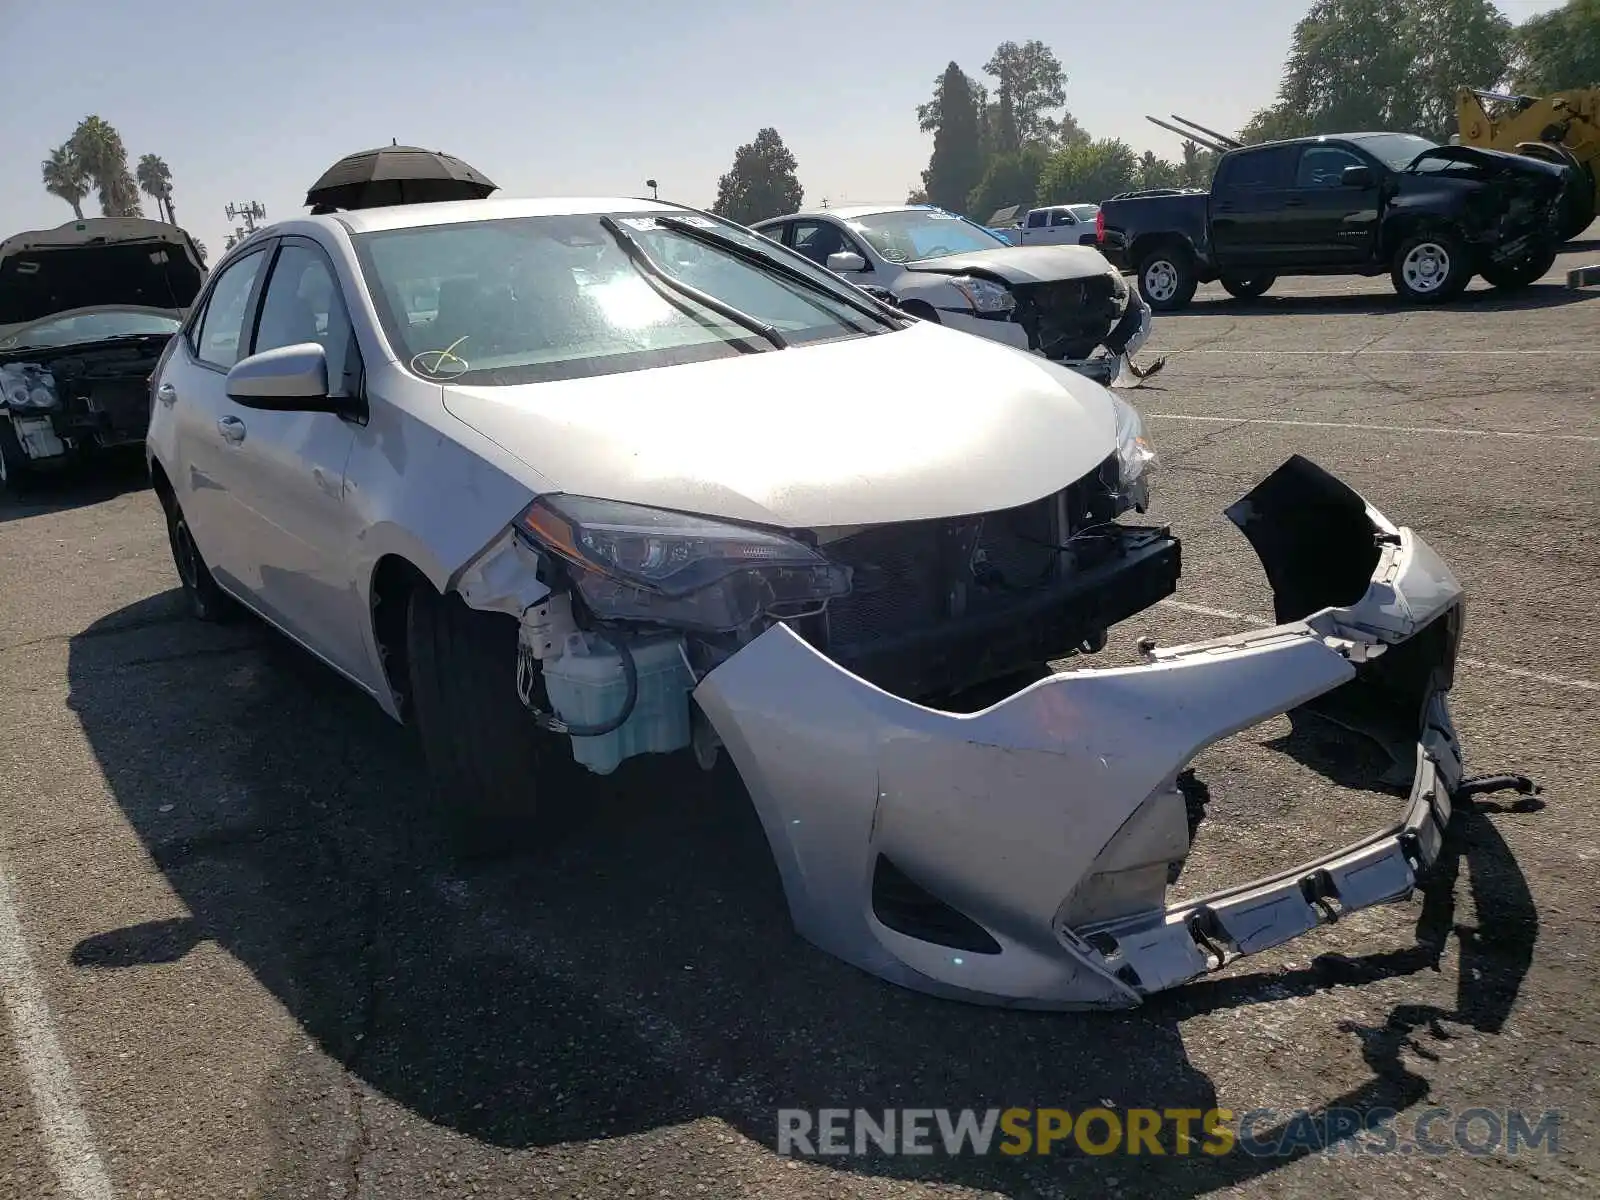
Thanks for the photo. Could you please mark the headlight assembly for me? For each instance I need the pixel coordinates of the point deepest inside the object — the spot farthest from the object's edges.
(633, 563)
(1136, 454)
(984, 295)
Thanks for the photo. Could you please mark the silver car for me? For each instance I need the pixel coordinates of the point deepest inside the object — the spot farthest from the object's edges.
(564, 483)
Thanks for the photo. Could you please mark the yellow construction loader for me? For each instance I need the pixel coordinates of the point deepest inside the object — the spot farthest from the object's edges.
(1563, 127)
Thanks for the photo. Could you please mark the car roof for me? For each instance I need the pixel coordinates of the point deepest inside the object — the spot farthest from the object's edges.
(845, 212)
(454, 212)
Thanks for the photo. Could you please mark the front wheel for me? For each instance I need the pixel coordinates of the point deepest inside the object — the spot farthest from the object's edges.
(1513, 276)
(501, 778)
(1430, 268)
(1248, 289)
(1167, 280)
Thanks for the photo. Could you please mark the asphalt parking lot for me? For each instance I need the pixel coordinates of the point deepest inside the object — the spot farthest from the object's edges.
(236, 961)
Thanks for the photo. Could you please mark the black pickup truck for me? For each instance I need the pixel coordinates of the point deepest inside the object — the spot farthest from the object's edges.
(1350, 204)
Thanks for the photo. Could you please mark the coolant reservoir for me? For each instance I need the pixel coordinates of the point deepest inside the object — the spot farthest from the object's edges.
(586, 686)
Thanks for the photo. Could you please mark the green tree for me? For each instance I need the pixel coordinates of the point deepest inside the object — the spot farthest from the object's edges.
(762, 182)
(1032, 86)
(956, 166)
(66, 177)
(1089, 174)
(1558, 50)
(1157, 172)
(1198, 166)
(1384, 64)
(155, 181)
(1011, 178)
(99, 147)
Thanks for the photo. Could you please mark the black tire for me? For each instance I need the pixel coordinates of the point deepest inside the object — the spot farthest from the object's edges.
(206, 601)
(1248, 289)
(1511, 277)
(1431, 267)
(16, 471)
(503, 781)
(1166, 278)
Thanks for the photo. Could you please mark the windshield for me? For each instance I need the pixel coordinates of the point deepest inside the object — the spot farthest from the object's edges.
(916, 233)
(1084, 212)
(90, 327)
(1395, 150)
(529, 299)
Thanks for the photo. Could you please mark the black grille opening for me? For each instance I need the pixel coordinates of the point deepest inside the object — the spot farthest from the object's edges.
(906, 907)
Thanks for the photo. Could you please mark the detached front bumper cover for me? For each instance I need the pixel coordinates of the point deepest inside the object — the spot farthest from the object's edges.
(1020, 855)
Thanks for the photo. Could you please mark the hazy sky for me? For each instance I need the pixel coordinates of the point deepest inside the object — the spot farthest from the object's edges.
(252, 102)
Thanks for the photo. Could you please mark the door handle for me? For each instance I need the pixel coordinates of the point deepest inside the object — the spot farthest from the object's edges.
(166, 393)
(231, 428)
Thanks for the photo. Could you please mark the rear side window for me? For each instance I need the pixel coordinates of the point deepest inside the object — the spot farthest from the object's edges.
(218, 339)
(1269, 167)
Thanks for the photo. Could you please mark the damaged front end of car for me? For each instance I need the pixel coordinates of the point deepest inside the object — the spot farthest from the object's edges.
(1019, 855)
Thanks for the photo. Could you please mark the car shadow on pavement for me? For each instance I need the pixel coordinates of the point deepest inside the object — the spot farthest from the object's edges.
(77, 486)
(1486, 300)
(644, 972)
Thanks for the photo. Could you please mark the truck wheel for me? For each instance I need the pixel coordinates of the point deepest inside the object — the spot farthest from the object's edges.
(1166, 279)
(1511, 277)
(16, 472)
(207, 601)
(1430, 268)
(1247, 289)
(501, 778)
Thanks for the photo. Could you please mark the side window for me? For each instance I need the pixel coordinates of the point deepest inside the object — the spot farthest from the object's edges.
(219, 336)
(1323, 166)
(1062, 217)
(818, 239)
(1037, 218)
(303, 303)
(1269, 167)
(773, 233)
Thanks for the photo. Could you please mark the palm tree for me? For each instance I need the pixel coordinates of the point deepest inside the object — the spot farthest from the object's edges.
(155, 181)
(65, 176)
(99, 147)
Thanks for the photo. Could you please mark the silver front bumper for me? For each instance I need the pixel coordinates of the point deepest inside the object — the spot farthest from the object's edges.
(1039, 833)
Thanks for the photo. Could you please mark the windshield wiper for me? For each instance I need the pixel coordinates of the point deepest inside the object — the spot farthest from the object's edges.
(777, 267)
(656, 274)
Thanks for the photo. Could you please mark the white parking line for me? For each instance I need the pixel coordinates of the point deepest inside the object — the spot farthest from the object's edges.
(67, 1135)
(1499, 433)
(1582, 685)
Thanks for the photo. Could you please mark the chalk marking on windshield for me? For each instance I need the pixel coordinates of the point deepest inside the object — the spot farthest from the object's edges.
(445, 355)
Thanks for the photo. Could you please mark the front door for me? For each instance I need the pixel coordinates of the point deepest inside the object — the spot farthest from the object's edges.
(1336, 225)
(818, 239)
(288, 469)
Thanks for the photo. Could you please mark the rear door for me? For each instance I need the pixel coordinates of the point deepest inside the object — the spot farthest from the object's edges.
(1251, 224)
(192, 388)
(287, 468)
(1333, 225)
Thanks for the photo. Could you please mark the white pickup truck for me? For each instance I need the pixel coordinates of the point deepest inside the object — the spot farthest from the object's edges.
(1054, 225)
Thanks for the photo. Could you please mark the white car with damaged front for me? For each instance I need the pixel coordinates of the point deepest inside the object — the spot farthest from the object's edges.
(564, 483)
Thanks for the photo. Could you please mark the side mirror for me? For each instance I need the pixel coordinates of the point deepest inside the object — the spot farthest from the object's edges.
(846, 260)
(288, 379)
(1358, 177)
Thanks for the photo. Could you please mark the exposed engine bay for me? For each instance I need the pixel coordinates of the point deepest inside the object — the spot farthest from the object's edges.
(84, 397)
(921, 609)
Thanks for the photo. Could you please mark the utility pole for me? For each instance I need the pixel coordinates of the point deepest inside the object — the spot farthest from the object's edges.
(250, 211)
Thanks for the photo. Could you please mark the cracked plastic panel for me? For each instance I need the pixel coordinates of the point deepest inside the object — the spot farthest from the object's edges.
(1029, 844)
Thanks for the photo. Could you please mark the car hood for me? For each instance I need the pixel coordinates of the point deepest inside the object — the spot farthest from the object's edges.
(94, 262)
(1491, 159)
(1020, 264)
(923, 422)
